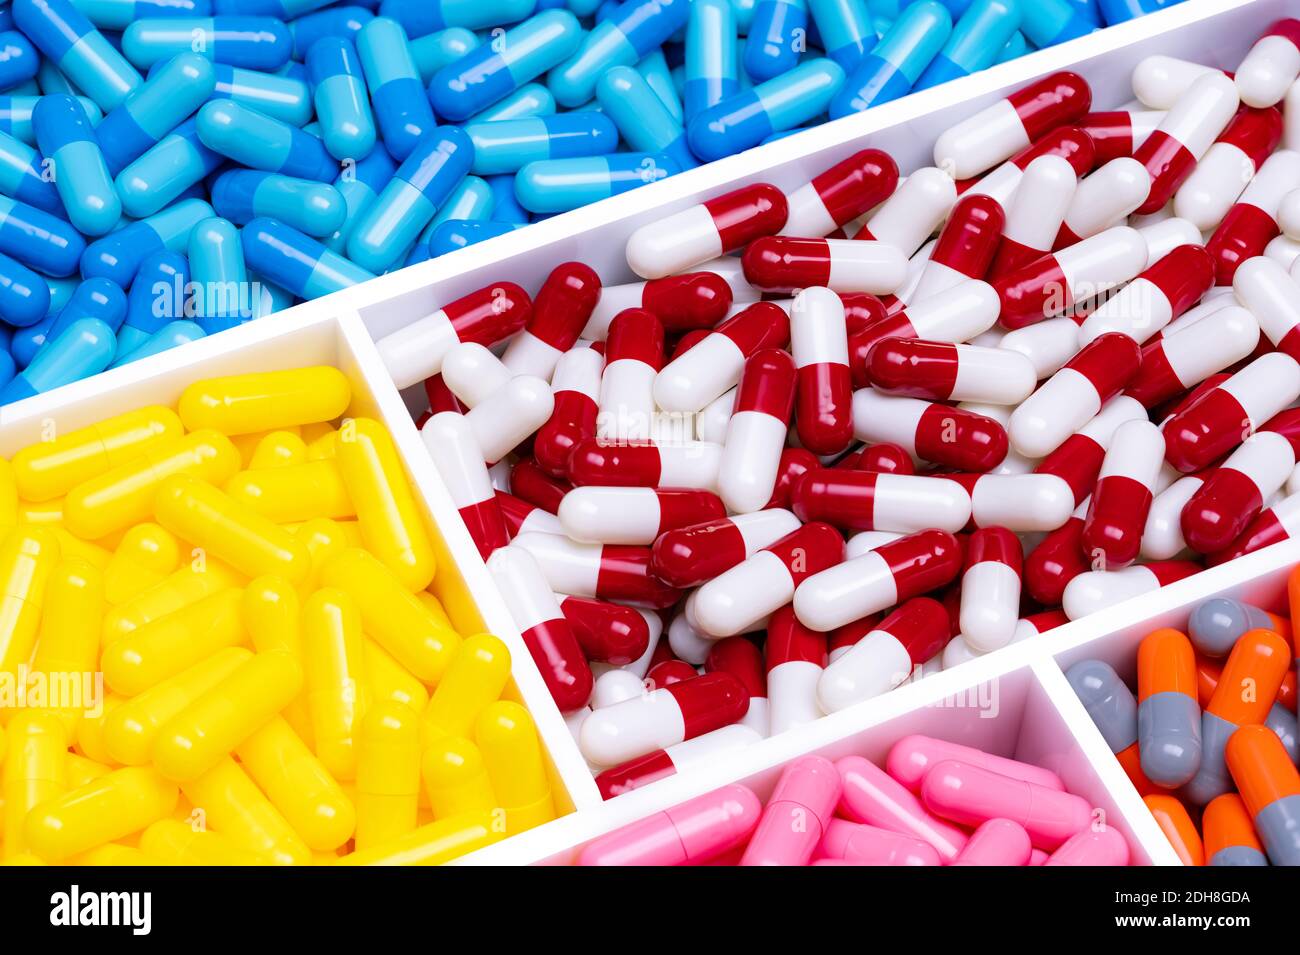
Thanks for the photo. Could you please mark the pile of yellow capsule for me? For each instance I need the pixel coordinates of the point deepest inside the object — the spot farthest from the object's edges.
(217, 646)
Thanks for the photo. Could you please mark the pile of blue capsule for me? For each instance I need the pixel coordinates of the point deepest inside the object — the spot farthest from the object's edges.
(172, 168)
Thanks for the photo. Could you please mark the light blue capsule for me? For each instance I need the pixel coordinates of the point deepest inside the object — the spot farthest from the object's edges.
(94, 298)
(86, 348)
(343, 22)
(339, 92)
(260, 142)
(253, 43)
(1016, 47)
(558, 185)
(77, 49)
(220, 278)
(975, 43)
(582, 8)
(118, 255)
(422, 17)
(169, 336)
(397, 96)
(711, 70)
(471, 202)
(158, 296)
(748, 118)
(634, 29)
(161, 175)
(24, 296)
(272, 298)
(297, 262)
(120, 14)
(897, 61)
(642, 120)
(1049, 22)
(360, 184)
(776, 38)
(281, 97)
(431, 53)
(510, 145)
(531, 99)
(1117, 11)
(654, 70)
(24, 175)
(280, 9)
(845, 29)
(742, 11)
(505, 207)
(242, 195)
(64, 134)
(165, 100)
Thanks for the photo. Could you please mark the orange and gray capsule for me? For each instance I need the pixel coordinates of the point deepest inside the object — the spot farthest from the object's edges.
(1230, 837)
(1114, 712)
(1169, 715)
(1270, 787)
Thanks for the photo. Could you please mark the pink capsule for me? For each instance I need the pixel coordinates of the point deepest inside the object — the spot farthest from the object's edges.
(873, 797)
(1012, 124)
(691, 556)
(681, 302)
(859, 500)
(713, 365)
(909, 216)
(1068, 142)
(661, 718)
(885, 655)
(1234, 493)
(855, 844)
(757, 430)
(521, 517)
(850, 188)
(907, 567)
(762, 584)
(796, 815)
(795, 658)
(824, 392)
(998, 842)
(1277, 523)
(1092, 847)
(608, 571)
(1226, 168)
(1220, 420)
(693, 832)
(990, 588)
(1099, 589)
(1165, 290)
(645, 464)
(634, 515)
(1078, 459)
(1192, 124)
(1122, 499)
(1057, 559)
(608, 633)
(1074, 395)
(743, 660)
(1252, 223)
(1271, 66)
(941, 371)
(1103, 199)
(576, 387)
(702, 232)
(547, 634)
(1035, 213)
(1183, 358)
(1023, 503)
(938, 433)
(970, 796)
(560, 311)
(1118, 133)
(508, 416)
(634, 353)
(785, 263)
(486, 316)
(455, 454)
(912, 757)
(671, 760)
(1057, 282)
(966, 246)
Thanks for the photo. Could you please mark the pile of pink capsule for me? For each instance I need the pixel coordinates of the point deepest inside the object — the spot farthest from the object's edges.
(934, 803)
(844, 437)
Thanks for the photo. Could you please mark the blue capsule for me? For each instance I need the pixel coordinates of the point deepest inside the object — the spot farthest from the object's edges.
(776, 105)
(1049, 22)
(50, 80)
(94, 298)
(254, 43)
(339, 92)
(711, 72)
(1016, 47)
(558, 185)
(642, 119)
(897, 61)
(39, 240)
(510, 145)
(169, 336)
(270, 298)
(531, 99)
(582, 8)
(170, 95)
(776, 37)
(165, 172)
(654, 70)
(260, 142)
(242, 195)
(422, 17)
(158, 295)
(975, 43)
(360, 184)
(495, 70)
(397, 96)
(24, 175)
(77, 49)
(65, 136)
(24, 296)
(25, 342)
(1091, 11)
(431, 53)
(472, 201)
(342, 22)
(18, 59)
(280, 97)
(505, 206)
(457, 234)
(86, 348)
(118, 255)
(420, 186)
(1117, 11)
(633, 29)
(220, 278)
(7, 365)
(298, 262)
(846, 32)
(120, 14)
(280, 9)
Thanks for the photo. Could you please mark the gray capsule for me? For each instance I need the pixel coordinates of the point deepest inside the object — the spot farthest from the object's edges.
(1169, 738)
(1212, 777)
(1283, 722)
(1238, 855)
(1215, 625)
(1108, 701)
(1278, 825)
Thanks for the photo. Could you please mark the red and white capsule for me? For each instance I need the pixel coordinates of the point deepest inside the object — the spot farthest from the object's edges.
(713, 365)
(522, 517)
(1057, 559)
(450, 442)
(1024, 503)
(662, 763)
(784, 264)
(1273, 298)
(795, 658)
(1048, 345)
(909, 216)
(966, 246)
(1277, 523)
(850, 188)
(634, 515)
(575, 384)
(1271, 66)
(532, 484)
(608, 633)
(1120, 132)
(509, 415)
(560, 312)
(907, 567)
(1162, 538)
(1035, 213)
(691, 556)
(937, 433)
(723, 224)
(694, 300)
(1159, 80)
(472, 373)
(634, 353)
(824, 389)
(1164, 290)
(763, 583)
(1099, 589)
(942, 371)
(1104, 199)
(990, 588)
(756, 433)
(1228, 166)
(1078, 459)
(1068, 142)
(1252, 223)
(1074, 395)
(646, 464)
(865, 501)
(885, 656)
(547, 634)
(1117, 516)
(607, 571)
(1183, 358)
(1011, 124)
(1192, 124)
(742, 658)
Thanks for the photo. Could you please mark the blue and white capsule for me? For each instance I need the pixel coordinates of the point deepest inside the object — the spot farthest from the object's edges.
(166, 171)
(776, 38)
(975, 43)
(510, 145)
(242, 195)
(254, 43)
(257, 141)
(296, 261)
(219, 275)
(712, 73)
(339, 92)
(558, 185)
(285, 98)
(422, 17)
(86, 348)
(845, 30)
(633, 29)
(165, 100)
(81, 176)
(118, 255)
(397, 96)
(94, 298)
(894, 65)
(644, 121)
(24, 296)
(77, 49)
(38, 239)
(157, 297)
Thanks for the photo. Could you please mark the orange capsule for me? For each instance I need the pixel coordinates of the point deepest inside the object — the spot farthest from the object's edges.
(1207, 678)
(1169, 715)
(1270, 787)
(1230, 834)
(1173, 820)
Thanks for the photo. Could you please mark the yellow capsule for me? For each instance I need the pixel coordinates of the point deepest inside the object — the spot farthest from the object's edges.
(41, 512)
(324, 539)
(103, 810)
(456, 778)
(195, 581)
(145, 557)
(8, 499)
(248, 444)
(50, 469)
(209, 729)
(2, 753)
(512, 752)
(116, 854)
(435, 844)
(125, 495)
(298, 492)
(273, 619)
(388, 773)
(67, 649)
(132, 728)
(90, 731)
(388, 680)
(265, 400)
(391, 522)
(323, 445)
(172, 842)
(277, 449)
(24, 858)
(337, 693)
(229, 530)
(34, 771)
(88, 551)
(476, 677)
(310, 432)
(28, 557)
(79, 770)
(434, 606)
(393, 615)
(298, 785)
(231, 803)
(165, 647)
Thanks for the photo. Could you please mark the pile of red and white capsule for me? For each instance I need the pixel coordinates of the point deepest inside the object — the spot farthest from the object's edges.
(1078, 392)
